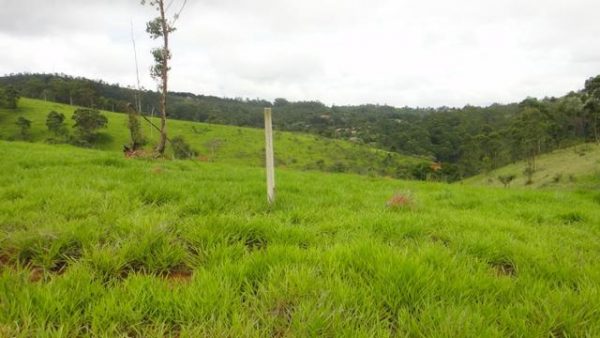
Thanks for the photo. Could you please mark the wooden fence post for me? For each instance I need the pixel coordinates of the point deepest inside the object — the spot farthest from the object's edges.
(270, 162)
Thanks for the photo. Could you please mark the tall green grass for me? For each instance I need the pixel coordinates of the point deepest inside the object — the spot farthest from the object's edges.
(92, 244)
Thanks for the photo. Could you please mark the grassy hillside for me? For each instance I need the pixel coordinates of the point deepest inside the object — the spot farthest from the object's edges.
(95, 244)
(225, 144)
(577, 166)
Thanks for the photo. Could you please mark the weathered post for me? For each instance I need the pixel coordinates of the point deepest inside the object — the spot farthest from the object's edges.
(270, 163)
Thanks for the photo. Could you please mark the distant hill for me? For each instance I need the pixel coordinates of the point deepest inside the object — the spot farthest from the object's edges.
(432, 132)
(228, 144)
(577, 166)
(466, 141)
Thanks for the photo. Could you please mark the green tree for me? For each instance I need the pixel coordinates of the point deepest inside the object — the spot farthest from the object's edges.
(162, 27)
(592, 106)
(24, 127)
(568, 122)
(10, 97)
(87, 122)
(56, 123)
(529, 131)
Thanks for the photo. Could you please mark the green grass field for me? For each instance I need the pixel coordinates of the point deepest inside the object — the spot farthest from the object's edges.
(574, 167)
(224, 144)
(92, 244)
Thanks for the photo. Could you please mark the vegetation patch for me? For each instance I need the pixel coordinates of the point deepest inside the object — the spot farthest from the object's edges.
(13, 194)
(109, 162)
(155, 195)
(572, 217)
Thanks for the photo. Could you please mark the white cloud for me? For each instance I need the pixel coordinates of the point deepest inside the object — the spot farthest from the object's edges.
(424, 53)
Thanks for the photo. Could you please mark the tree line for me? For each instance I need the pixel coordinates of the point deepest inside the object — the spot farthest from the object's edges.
(465, 141)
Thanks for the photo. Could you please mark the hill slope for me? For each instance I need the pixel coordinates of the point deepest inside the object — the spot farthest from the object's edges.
(576, 166)
(227, 144)
(92, 244)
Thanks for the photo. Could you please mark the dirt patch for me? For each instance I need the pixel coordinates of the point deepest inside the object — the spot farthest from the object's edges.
(36, 274)
(283, 312)
(4, 261)
(401, 200)
(179, 275)
(504, 268)
(59, 267)
(557, 332)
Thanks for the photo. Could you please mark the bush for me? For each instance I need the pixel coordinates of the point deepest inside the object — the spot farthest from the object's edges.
(24, 127)
(181, 149)
(528, 172)
(87, 121)
(557, 178)
(338, 167)
(506, 179)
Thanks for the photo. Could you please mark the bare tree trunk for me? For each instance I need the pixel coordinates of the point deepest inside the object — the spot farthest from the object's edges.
(160, 148)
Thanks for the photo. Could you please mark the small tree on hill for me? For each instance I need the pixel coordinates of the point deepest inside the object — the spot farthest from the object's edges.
(87, 122)
(24, 127)
(56, 123)
(506, 179)
(9, 98)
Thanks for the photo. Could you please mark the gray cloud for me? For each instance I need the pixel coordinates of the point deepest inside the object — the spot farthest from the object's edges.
(401, 52)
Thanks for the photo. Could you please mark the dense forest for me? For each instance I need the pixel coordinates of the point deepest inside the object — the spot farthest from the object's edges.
(465, 141)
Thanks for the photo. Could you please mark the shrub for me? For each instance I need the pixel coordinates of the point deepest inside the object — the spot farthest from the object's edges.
(422, 171)
(338, 167)
(24, 127)
(506, 179)
(181, 149)
(572, 217)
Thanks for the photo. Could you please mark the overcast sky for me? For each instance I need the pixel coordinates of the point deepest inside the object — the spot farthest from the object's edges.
(398, 52)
